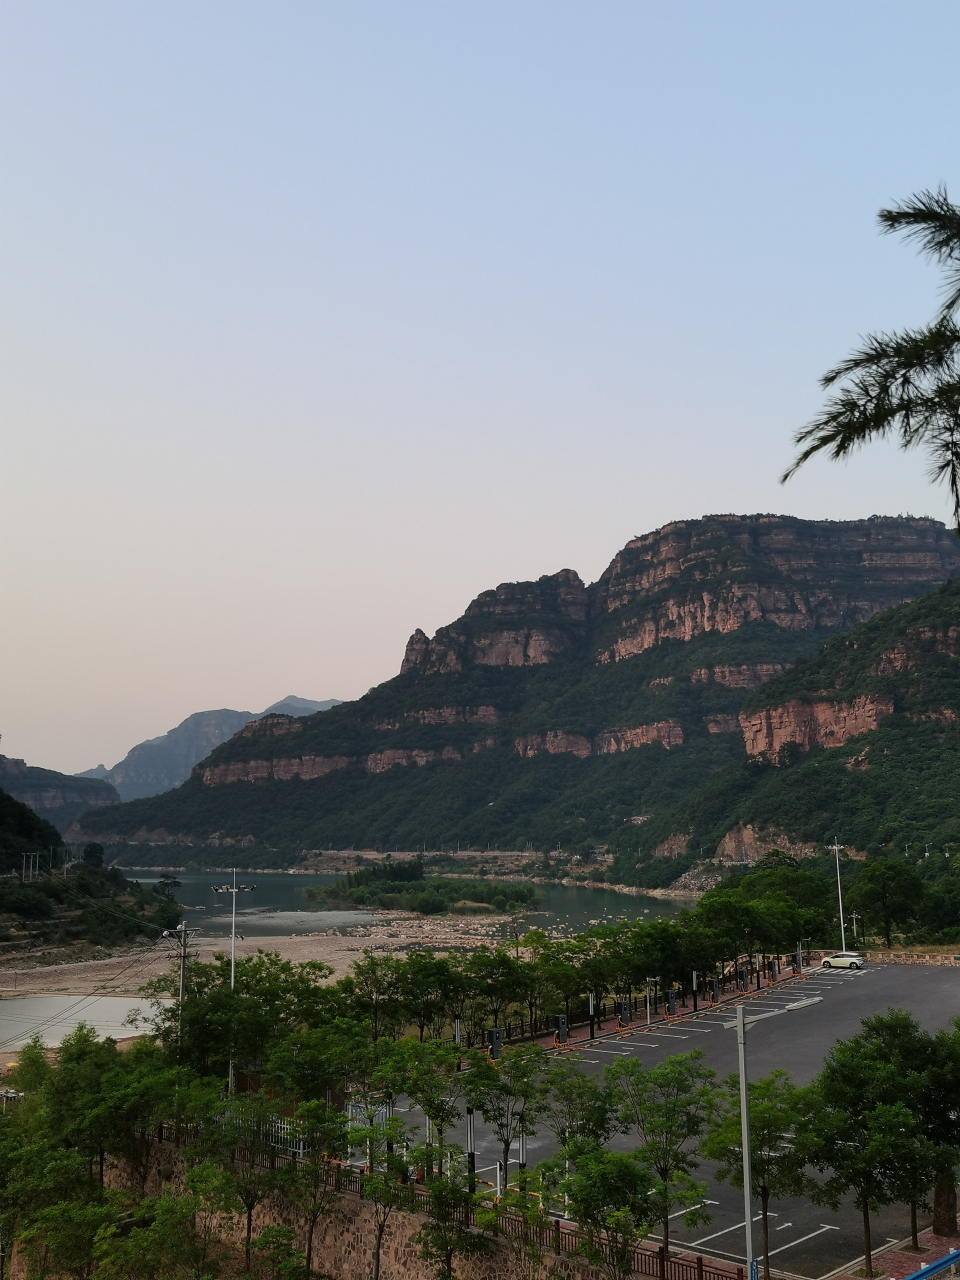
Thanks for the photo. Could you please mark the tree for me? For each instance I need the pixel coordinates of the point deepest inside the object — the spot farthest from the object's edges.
(903, 384)
(887, 892)
(894, 1061)
(613, 1197)
(314, 1182)
(776, 1107)
(240, 1136)
(446, 1234)
(60, 1239)
(524, 1204)
(668, 1106)
(93, 854)
(508, 1093)
(278, 1255)
(384, 1183)
(875, 1155)
(432, 1079)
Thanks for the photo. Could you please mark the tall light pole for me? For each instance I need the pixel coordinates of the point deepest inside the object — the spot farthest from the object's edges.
(741, 1023)
(843, 937)
(233, 889)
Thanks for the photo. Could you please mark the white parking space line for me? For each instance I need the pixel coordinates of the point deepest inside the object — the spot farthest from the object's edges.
(801, 1240)
(784, 1227)
(681, 1212)
(725, 1231)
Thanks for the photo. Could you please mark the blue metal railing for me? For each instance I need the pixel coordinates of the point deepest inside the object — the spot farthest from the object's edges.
(934, 1268)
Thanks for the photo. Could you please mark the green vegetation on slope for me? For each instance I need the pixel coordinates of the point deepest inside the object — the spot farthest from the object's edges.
(21, 831)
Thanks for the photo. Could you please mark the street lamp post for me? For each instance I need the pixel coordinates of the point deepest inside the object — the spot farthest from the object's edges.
(233, 889)
(741, 1023)
(843, 937)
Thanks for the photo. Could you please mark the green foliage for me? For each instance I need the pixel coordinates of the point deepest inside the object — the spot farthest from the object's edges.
(412, 892)
(446, 1233)
(776, 1107)
(612, 1196)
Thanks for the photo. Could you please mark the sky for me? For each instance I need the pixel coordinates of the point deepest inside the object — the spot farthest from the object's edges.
(318, 319)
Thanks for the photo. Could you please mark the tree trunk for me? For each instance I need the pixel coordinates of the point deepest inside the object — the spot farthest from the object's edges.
(309, 1249)
(376, 1252)
(666, 1242)
(765, 1229)
(945, 1204)
(914, 1238)
(249, 1233)
(867, 1253)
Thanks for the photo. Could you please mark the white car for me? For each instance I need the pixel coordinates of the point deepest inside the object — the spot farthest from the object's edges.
(844, 960)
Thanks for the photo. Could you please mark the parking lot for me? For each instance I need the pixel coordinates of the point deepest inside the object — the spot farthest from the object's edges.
(805, 1240)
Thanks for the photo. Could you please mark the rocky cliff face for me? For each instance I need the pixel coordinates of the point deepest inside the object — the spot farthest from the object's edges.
(808, 724)
(721, 572)
(520, 624)
(57, 797)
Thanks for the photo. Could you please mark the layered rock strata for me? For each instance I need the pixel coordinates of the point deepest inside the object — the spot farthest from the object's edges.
(825, 724)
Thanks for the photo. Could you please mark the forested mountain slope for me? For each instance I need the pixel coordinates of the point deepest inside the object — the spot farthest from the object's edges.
(552, 712)
(858, 742)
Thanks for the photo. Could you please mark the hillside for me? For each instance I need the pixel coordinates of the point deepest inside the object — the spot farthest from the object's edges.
(56, 797)
(552, 712)
(859, 742)
(162, 763)
(22, 831)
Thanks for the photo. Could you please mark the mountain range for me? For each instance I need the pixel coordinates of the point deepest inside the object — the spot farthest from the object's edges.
(162, 763)
(553, 713)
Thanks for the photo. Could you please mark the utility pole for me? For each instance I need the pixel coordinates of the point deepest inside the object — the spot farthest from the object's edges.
(182, 935)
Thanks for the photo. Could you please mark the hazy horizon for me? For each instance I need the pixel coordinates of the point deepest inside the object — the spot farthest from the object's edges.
(318, 321)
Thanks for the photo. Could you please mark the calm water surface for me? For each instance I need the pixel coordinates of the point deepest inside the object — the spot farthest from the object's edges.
(277, 906)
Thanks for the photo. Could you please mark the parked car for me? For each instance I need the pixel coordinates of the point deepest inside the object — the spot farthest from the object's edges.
(844, 960)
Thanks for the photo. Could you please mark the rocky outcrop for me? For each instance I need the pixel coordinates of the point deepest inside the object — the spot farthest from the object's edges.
(381, 761)
(520, 624)
(827, 724)
(554, 742)
(674, 846)
(748, 675)
(284, 768)
(745, 844)
(722, 724)
(668, 733)
(443, 715)
(57, 797)
(271, 727)
(718, 573)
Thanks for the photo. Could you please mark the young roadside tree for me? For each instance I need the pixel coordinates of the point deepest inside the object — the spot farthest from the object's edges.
(314, 1182)
(240, 1136)
(278, 1257)
(61, 1239)
(776, 1107)
(872, 1154)
(385, 1182)
(508, 1093)
(525, 1204)
(446, 1234)
(887, 893)
(614, 1200)
(432, 1080)
(894, 1061)
(668, 1107)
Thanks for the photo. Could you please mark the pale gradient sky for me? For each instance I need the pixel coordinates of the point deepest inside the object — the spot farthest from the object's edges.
(319, 319)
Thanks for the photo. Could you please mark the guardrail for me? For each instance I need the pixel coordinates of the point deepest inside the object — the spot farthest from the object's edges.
(934, 1268)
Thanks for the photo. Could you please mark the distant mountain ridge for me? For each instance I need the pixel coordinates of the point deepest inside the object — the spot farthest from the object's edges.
(552, 712)
(159, 764)
(55, 797)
